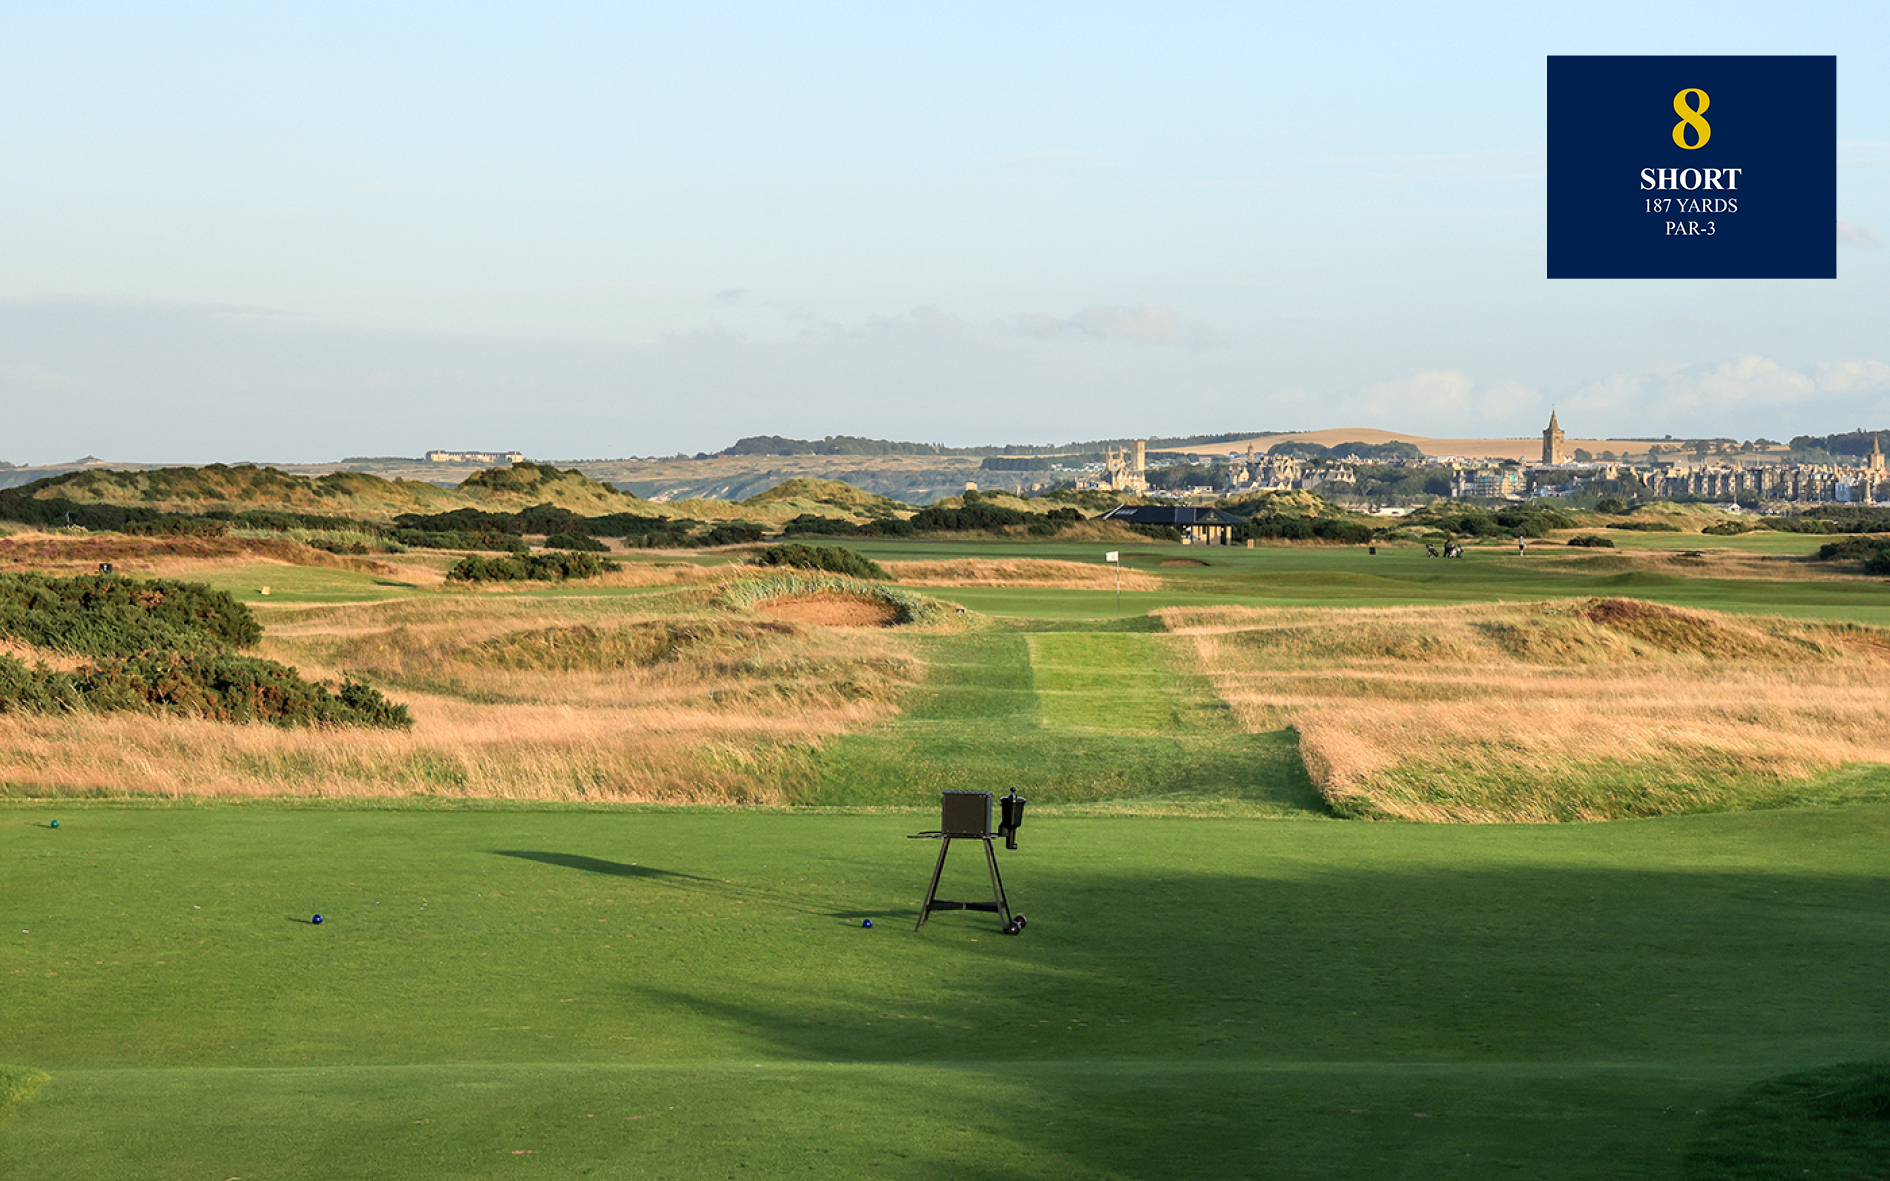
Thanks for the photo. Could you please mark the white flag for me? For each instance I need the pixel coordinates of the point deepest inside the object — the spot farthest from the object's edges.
(1111, 556)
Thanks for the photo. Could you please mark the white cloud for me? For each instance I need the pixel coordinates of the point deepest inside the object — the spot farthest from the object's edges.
(1440, 401)
(1748, 395)
(1854, 234)
(1148, 326)
(29, 378)
(1853, 375)
(1743, 381)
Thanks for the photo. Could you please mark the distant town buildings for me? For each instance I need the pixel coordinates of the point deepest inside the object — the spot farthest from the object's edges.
(1123, 474)
(506, 457)
(1266, 473)
(1489, 483)
(1702, 474)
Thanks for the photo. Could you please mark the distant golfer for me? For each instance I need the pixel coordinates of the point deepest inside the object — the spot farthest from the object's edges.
(1522, 543)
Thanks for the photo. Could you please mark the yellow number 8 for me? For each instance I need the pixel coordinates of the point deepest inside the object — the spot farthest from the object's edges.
(1691, 116)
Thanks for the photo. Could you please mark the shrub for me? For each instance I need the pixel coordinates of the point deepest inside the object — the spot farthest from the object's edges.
(460, 520)
(1869, 549)
(175, 525)
(576, 541)
(1645, 526)
(548, 519)
(977, 514)
(549, 567)
(505, 543)
(814, 525)
(102, 614)
(162, 646)
(836, 559)
(734, 533)
(1593, 540)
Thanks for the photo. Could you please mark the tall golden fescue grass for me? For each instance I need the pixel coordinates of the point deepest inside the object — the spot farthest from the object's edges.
(1552, 711)
(1706, 562)
(513, 698)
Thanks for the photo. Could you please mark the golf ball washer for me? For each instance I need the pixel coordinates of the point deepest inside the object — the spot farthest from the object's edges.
(967, 815)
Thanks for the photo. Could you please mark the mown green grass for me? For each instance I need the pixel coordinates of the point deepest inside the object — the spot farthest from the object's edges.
(1067, 719)
(1830, 1122)
(1277, 575)
(303, 584)
(585, 992)
(686, 993)
(1399, 575)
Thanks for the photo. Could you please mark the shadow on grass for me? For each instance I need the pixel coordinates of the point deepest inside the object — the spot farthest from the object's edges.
(1830, 1123)
(1279, 1019)
(594, 864)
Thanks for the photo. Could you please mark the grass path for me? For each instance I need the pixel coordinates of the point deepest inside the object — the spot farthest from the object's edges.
(1108, 721)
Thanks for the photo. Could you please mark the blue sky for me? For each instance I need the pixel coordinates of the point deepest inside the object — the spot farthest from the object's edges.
(294, 233)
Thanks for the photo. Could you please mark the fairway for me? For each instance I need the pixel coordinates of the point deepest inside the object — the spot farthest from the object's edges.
(1656, 568)
(1220, 978)
(570, 992)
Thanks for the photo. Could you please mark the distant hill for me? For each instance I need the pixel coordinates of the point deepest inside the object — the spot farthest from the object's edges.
(831, 493)
(344, 494)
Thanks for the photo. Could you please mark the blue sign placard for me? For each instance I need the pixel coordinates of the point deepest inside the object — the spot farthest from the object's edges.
(1692, 168)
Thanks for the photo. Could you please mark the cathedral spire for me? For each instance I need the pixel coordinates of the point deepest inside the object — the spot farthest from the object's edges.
(1552, 441)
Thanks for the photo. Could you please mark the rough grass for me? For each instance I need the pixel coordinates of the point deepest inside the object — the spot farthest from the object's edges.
(17, 1084)
(906, 606)
(61, 553)
(657, 699)
(1574, 710)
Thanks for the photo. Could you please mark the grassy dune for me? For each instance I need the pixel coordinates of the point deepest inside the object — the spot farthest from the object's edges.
(1575, 710)
(514, 697)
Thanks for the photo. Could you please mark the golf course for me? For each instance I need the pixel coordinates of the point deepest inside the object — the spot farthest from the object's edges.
(1338, 862)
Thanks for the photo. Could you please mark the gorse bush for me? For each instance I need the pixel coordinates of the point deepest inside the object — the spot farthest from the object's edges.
(734, 533)
(551, 567)
(221, 686)
(1521, 520)
(1870, 549)
(582, 542)
(835, 558)
(812, 525)
(161, 646)
(105, 614)
(1646, 526)
(505, 543)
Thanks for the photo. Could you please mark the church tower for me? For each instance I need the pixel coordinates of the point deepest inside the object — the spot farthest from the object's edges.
(1552, 442)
